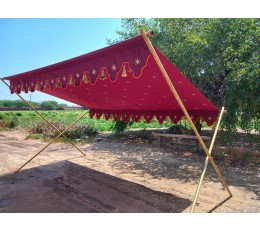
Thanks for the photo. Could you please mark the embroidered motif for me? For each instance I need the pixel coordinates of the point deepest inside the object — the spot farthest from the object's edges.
(103, 75)
(58, 85)
(47, 85)
(85, 78)
(124, 74)
(137, 61)
(113, 67)
(71, 80)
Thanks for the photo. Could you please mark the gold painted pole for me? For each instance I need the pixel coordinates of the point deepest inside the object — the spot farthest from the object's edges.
(51, 142)
(45, 119)
(174, 92)
(206, 161)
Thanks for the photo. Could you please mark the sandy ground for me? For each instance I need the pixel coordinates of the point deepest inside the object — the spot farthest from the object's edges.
(116, 175)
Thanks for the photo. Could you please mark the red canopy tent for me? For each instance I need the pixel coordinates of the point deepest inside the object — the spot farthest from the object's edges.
(122, 81)
(130, 79)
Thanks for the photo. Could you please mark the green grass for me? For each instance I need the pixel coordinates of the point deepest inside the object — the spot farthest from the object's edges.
(27, 118)
(34, 136)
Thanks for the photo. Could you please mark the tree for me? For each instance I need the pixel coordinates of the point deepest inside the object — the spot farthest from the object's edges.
(61, 106)
(49, 105)
(16, 103)
(219, 56)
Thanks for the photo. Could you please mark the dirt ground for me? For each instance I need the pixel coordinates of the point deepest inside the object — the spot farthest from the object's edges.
(119, 174)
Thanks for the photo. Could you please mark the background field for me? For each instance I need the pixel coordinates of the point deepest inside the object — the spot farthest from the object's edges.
(25, 119)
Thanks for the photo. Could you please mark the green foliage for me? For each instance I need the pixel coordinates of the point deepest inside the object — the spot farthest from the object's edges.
(13, 122)
(34, 136)
(16, 103)
(1, 116)
(66, 117)
(219, 56)
(63, 105)
(121, 126)
(52, 105)
(49, 105)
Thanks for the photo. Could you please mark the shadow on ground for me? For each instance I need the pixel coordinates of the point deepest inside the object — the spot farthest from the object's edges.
(68, 187)
(173, 162)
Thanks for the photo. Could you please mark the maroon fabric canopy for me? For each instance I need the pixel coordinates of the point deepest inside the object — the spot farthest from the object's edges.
(119, 81)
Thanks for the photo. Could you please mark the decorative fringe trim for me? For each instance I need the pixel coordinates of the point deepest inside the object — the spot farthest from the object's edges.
(58, 85)
(103, 75)
(71, 80)
(85, 78)
(124, 74)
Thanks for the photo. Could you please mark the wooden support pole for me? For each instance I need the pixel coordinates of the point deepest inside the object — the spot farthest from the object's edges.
(174, 92)
(149, 34)
(45, 119)
(50, 142)
(206, 161)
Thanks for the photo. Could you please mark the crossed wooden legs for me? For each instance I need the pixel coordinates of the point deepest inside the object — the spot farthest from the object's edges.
(46, 120)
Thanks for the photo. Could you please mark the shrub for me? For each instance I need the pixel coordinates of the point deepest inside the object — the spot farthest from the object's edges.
(121, 126)
(75, 132)
(45, 129)
(81, 131)
(34, 136)
(3, 124)
(13, 122)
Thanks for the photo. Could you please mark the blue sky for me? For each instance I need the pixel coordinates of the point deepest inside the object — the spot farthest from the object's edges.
(27, 44)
